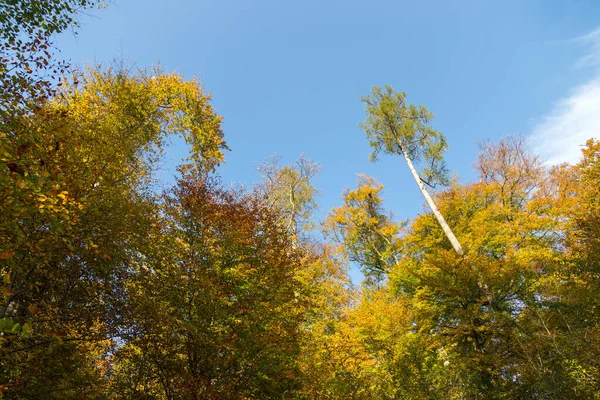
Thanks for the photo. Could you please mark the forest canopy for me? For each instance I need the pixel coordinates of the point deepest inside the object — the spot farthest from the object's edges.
(114, 289)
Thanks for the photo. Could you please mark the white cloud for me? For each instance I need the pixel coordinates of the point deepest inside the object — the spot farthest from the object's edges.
(559, 135)
(590, 40)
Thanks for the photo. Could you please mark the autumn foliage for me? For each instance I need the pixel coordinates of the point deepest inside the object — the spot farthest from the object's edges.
(113, 287)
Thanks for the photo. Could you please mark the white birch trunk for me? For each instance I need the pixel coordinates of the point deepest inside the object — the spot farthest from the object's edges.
(449, 234)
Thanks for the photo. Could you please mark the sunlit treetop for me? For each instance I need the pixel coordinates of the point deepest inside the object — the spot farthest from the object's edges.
(369, 236)
(395, 127)
(138, 110)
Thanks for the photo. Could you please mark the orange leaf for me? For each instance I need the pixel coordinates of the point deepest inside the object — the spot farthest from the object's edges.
(33, 309)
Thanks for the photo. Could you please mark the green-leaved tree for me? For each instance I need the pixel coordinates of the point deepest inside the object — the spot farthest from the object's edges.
(395, 127)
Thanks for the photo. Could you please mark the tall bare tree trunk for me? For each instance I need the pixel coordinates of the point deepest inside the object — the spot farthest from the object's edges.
(449, 234)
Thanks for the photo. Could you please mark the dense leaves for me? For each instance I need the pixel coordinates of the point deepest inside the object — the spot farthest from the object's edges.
(368, 235)
(113, 290)
(28, 71)
(214, 308)
(89, 153)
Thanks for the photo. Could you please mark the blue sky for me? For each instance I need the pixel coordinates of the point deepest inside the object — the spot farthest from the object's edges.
(287, 76)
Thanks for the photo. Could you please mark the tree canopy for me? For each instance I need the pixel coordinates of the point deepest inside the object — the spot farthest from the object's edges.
(116, 285)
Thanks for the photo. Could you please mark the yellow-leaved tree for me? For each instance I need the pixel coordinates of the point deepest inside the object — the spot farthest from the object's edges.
(76, 206)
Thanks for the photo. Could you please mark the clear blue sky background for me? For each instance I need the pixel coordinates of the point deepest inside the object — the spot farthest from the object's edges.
(287, 75)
